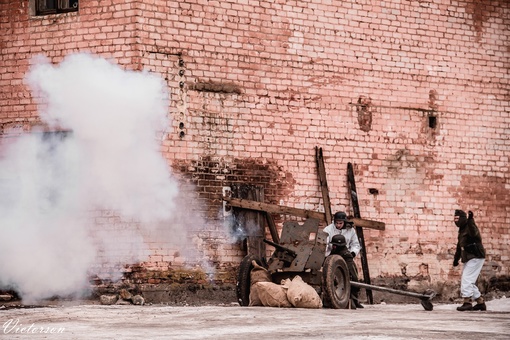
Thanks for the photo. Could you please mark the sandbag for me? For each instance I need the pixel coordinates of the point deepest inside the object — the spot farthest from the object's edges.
(259, 274)
(270, 294)
(301, 295)
(254, 296)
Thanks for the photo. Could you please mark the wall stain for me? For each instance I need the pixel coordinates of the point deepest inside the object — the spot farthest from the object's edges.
(474, 191)
(364, 110)
(480, 11)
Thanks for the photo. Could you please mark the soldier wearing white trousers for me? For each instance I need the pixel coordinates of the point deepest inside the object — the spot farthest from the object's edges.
(472, 253)
(470, 272)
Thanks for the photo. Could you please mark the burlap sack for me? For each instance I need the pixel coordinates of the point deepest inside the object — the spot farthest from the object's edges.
(270, 294)
(286, 283)
(302, 295)
(259, 274)
(254, 296)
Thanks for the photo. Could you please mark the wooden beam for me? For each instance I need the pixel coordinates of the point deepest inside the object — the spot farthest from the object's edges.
(321, 169)
(273, 208)
(280, 209)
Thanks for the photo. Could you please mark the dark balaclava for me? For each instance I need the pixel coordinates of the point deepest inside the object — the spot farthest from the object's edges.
(462, 218)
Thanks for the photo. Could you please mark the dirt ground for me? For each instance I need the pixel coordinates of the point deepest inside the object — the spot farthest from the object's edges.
(83, 320)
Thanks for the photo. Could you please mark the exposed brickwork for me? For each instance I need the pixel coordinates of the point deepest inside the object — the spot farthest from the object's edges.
(255, 86)
(211, 176)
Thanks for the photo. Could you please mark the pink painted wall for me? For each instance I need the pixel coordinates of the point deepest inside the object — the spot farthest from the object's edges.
(257, 85)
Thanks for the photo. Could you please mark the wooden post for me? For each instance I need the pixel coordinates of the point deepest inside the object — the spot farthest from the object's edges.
(252, 221)
(321, 169)
(359, 230)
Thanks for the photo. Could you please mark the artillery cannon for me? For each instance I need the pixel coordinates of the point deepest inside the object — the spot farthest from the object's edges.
(302, 251)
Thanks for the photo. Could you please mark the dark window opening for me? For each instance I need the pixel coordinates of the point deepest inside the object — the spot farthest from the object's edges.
(432, 122)
(373, 191)
(44, 7)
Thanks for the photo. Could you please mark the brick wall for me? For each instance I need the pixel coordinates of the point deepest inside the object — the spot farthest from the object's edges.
(415, 94)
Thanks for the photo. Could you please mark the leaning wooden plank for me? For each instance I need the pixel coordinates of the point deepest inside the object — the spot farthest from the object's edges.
(321, 170)
(359, 231)
(272, 228)
(280, 209)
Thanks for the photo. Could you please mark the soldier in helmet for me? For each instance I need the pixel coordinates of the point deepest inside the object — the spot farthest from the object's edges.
(339, 247)
(342, 226)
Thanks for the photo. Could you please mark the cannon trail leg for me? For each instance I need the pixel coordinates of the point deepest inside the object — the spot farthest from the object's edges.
(424, 298)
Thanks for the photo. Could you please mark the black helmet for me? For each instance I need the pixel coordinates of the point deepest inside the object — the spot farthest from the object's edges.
(339, 240)
(340, 216)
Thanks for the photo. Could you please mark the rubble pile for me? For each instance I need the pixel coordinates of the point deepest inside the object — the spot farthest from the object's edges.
(124, 297)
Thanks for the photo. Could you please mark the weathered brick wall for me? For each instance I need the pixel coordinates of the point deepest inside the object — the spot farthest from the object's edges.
(415, 94)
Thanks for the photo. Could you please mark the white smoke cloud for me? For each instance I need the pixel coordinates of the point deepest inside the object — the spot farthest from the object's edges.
(52, 186)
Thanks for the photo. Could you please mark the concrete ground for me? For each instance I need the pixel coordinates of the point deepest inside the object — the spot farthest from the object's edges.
(383, 321)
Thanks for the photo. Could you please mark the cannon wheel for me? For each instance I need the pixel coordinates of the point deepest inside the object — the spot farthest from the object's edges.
(243, 279)
(336, 285)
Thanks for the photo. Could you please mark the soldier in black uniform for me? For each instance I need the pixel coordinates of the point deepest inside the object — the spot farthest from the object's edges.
(472, 253)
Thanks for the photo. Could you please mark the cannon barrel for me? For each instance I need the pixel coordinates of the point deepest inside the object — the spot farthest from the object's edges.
(280, 247)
